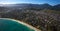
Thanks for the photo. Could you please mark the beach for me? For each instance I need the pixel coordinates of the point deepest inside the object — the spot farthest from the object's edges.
(24, 24)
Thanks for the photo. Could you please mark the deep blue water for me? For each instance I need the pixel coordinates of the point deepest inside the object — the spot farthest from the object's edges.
(9, 25)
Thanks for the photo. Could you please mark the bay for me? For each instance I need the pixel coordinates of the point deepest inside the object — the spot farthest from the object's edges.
(10, 25)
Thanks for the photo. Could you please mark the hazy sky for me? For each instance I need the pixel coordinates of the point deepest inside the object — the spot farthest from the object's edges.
(52, 2)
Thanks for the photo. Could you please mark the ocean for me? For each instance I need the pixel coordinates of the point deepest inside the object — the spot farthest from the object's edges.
(10, 25)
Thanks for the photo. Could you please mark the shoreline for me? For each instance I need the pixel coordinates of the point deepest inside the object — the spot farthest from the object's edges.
(22, 23)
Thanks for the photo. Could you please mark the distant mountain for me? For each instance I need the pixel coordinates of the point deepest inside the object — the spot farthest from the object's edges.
(34, 6)
(56, 7)
(45, 6)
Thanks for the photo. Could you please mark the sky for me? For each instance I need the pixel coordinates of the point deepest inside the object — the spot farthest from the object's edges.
(51, 2)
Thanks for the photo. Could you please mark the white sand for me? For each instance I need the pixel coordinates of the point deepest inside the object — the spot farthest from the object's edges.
(23, 24)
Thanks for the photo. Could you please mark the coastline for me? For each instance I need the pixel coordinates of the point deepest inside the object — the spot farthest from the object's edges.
(22, 23)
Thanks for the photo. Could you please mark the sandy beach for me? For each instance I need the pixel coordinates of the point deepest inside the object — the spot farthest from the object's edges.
(22, 23)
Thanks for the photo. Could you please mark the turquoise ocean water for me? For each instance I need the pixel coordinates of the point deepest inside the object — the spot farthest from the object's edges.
(9, 25)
